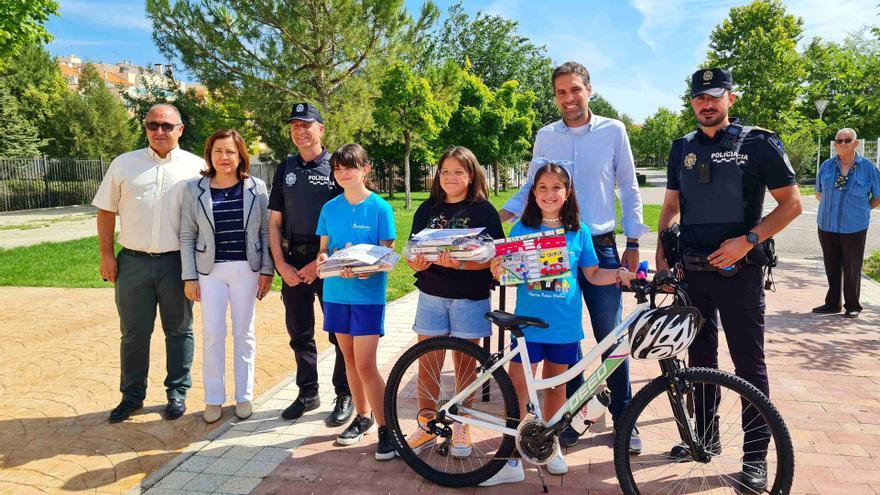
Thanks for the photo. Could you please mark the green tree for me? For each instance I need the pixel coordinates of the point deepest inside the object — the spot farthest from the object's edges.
(496, 126)
(21, 23)
(92, 123)
(275, 52)
(18, 136)
(600, 106)
(758, 43)
(32, 77)
(652, 142)
(407, 110)
(494, 51)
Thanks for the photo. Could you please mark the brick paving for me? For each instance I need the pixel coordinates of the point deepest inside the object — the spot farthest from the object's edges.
(824, 379)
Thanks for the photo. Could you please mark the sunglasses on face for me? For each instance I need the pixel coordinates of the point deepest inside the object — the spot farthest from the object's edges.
(155, 126)
(843, 141)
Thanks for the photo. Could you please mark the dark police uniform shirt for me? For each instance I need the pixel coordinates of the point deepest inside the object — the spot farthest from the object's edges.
(299, 190)
(451, 283)
(711, 212)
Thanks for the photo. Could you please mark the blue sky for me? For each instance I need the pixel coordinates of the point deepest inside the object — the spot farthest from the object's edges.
(639, 52)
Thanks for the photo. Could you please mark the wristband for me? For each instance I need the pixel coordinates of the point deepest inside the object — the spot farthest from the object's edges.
(632, 245)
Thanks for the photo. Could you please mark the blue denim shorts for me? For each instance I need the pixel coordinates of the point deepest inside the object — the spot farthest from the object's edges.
(462, 318)
(555, 353)
(354, 319)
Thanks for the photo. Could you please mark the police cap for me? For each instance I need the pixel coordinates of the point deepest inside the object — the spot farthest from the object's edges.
(305, 112)
(711, 81)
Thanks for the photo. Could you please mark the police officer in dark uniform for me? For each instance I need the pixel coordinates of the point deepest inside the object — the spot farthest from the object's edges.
(716, 180)
(302, 184)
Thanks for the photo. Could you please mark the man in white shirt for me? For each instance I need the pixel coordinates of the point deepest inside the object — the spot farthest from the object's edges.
(144, 188)
(601, 158)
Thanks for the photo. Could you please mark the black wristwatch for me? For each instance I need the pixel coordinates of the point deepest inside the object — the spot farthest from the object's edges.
(753, 238)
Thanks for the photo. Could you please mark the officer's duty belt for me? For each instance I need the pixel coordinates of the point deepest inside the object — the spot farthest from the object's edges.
(701, 264)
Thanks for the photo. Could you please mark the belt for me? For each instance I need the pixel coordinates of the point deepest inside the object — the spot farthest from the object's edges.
(701, 264)
(300, 248)
(132, 252)
(606, 239)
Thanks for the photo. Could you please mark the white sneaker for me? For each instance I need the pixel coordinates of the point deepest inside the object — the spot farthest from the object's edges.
(512, 472)
(557, 465)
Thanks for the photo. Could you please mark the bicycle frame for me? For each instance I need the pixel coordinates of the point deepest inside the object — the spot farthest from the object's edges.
(617, 341)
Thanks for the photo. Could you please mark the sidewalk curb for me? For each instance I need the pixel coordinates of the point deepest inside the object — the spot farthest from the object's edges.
(156, 476)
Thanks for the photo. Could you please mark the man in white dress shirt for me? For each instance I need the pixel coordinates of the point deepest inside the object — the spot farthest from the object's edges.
(601, 158)
(144, 188)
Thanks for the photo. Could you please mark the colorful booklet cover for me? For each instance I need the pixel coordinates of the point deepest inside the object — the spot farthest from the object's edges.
(361, 258)
(462, 244)
(533, 257)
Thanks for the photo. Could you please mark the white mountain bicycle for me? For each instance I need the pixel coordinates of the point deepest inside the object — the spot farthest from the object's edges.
(700, 427)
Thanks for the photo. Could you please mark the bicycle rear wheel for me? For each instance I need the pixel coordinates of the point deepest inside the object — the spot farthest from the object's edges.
(738, 426)
(423, 380)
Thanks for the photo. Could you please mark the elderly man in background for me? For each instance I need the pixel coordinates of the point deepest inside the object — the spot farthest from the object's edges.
(847, 187)
(144, 187)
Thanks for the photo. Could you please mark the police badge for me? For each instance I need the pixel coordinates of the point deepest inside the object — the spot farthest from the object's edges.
(290, 179)
(690, 160)
(300, 107)
(707, 76)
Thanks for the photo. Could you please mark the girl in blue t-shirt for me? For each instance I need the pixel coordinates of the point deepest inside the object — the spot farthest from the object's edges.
(552, 205)
(354, 305)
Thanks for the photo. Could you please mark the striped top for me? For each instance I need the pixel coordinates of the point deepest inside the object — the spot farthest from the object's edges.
(229, 235)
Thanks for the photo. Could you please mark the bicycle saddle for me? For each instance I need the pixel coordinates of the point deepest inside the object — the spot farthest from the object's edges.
(507, 320)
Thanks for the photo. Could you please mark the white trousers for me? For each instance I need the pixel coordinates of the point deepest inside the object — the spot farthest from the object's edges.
(230, 284)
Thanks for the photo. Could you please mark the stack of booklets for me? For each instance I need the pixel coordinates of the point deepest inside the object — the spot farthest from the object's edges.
(533, 257)
(462, 244)
(361, 258)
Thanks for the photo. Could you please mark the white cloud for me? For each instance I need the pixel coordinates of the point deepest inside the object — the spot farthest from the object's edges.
(573, 47)
(71, 42)
(833, 20)
(115, 16)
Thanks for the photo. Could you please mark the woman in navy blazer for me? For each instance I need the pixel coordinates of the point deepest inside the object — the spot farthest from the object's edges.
(224, 251)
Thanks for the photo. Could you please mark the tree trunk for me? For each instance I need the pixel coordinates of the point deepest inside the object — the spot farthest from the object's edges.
(407, 140)
(495, 173)
(389, 177)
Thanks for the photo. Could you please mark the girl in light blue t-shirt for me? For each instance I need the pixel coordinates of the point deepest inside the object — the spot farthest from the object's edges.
(354, 305)
(552, 205)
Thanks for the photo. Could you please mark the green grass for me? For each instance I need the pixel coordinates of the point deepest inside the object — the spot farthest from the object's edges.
(872, 266)
(75, 263)
(807, 190)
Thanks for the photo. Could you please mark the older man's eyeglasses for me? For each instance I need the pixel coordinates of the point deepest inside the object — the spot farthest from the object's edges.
(155, 126)
(843, 140)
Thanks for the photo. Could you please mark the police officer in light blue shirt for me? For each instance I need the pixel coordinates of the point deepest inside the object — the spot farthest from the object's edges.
(599, 149)
(848, 188)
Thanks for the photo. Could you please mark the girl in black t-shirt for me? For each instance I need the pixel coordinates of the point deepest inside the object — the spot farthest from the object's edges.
(453, 294)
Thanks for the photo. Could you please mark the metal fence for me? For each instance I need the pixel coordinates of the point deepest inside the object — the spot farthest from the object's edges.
(42, 182)
(869, 148)
(28, 183)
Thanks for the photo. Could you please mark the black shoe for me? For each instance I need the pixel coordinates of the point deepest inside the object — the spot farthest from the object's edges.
(754, 475)
(851, 313)
(826, 309)
(385, 450)
(123, 411)
(355, 431)
(175, 408)
(301, 406)
(342, 410)
(713, 444)
(569, 437)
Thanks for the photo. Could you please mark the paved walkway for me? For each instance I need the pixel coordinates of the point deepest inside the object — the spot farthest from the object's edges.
(824, 379)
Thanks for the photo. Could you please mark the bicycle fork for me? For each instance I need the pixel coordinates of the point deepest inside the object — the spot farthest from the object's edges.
(679, 391)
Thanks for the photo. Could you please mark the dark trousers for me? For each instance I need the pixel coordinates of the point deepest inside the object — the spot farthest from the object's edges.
(739, 300)
(843, 255)
(605, 305)
(299, 309)
(142, 283)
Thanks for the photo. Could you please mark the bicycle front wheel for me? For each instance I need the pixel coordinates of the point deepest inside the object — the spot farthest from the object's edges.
(445, 451)
(740, 430)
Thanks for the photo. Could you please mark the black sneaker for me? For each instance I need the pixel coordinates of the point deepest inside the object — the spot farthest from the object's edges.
(385, 450)
(754, 475)
(342, 410)
(568, 437)
(826, 309)
(355, 431)
(301, 406)
(123, 411)
(712, 443)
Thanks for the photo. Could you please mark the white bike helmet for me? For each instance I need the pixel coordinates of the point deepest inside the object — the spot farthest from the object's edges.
(664, 332)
